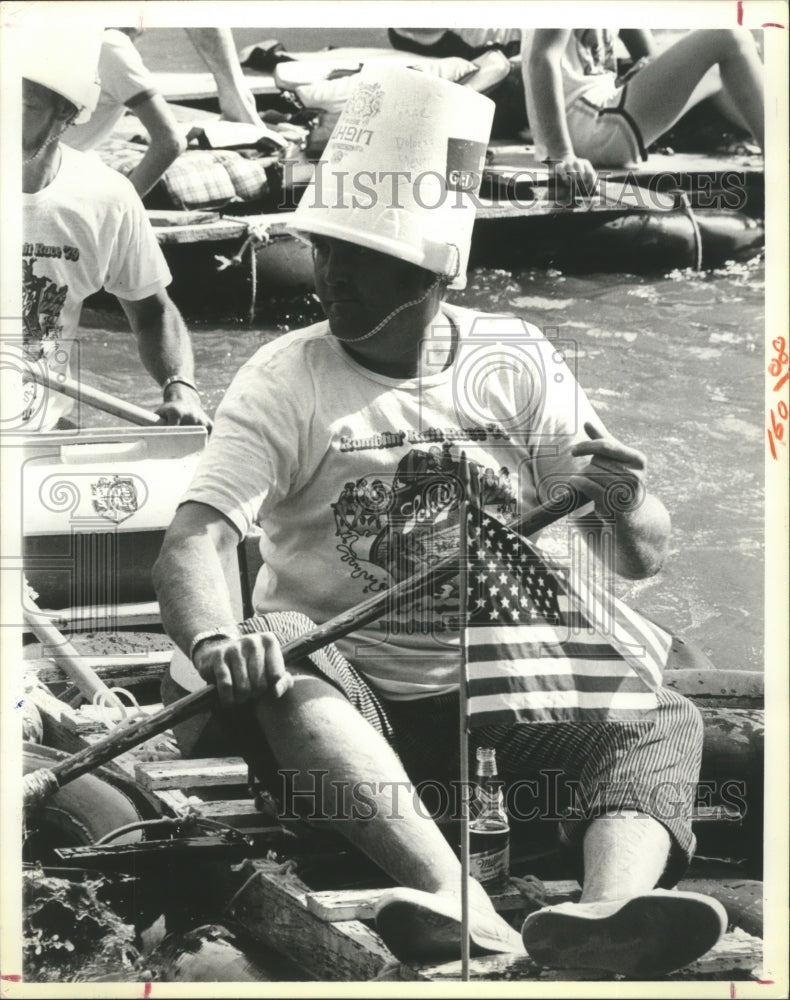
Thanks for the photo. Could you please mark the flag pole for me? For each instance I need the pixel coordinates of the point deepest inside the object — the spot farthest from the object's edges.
(463, 578)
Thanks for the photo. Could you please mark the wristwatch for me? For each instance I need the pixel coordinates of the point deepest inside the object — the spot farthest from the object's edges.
(213, 633)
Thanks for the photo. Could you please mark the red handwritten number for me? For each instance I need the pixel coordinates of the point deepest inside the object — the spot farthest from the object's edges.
(776, 432)
(740, 12)
(781, 359)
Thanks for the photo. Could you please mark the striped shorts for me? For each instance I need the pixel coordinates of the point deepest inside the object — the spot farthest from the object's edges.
(566, 773)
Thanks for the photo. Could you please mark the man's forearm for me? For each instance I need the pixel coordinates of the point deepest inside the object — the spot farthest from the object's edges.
(191, 585)
(162, 339)
(641, 538)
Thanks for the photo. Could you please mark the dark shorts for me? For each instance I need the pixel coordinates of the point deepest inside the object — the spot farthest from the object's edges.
(567, 773)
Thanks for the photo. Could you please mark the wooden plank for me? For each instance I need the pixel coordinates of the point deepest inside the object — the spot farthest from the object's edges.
(272, 907)
(736, 951)
(118, 670)
(725, 688)
(235, 812)
(91, 718)
(360, 904)
(197, 773)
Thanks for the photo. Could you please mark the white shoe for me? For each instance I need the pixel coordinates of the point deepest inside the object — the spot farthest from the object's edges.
(649, 934)
(426, 927)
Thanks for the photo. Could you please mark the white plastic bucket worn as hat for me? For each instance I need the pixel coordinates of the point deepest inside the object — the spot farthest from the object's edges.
(65, 60)
(401, 170)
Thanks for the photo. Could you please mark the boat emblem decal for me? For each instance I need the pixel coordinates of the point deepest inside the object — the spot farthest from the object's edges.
(114, 498)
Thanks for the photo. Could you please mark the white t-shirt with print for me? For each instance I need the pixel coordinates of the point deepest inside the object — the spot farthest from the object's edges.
(353, 476)
(125, 82)
(85, 231)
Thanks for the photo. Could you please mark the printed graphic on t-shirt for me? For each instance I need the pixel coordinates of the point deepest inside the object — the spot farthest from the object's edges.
(43, 301)
(409, 521)
(42, 305)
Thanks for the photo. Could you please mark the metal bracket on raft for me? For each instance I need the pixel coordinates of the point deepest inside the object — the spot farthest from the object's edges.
(131, 858)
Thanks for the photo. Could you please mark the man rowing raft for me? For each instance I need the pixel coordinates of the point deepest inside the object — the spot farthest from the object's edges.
(353, 443)
(85, 229)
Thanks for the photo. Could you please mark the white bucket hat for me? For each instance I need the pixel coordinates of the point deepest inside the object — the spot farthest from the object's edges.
(65, 60)
(401, 169)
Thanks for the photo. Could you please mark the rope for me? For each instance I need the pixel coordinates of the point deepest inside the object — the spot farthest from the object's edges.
(689, 212)
(288, 867)
(37, 786)
(108, 699)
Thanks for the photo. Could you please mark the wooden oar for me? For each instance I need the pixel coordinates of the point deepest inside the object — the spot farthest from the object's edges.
(38, 785)
(65, 654)
(95, 397)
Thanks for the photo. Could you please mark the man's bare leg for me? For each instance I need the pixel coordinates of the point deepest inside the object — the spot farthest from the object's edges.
(314, 728)
(622, 924)
(624, 855)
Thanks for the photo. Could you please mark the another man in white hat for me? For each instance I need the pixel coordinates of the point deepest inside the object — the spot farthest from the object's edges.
(344, 441)
(85, 229)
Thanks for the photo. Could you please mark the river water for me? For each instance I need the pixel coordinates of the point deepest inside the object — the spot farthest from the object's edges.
(674, 365)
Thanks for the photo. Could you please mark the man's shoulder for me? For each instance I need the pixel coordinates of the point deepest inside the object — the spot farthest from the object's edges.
(473, 323)
(294, 349)
(88, 175)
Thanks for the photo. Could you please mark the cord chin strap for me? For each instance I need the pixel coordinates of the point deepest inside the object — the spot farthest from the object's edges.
(48, 142)
(394, 313)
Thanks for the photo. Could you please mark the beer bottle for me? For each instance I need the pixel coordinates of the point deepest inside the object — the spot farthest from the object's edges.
(489, 828)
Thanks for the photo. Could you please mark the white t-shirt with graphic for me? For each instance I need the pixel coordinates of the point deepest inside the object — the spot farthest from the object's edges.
(85, 231)
(125, 82)
(354, 477)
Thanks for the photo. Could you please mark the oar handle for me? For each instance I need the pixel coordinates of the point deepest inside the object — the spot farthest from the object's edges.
(64, 653)
(95, 397)
(39, 784)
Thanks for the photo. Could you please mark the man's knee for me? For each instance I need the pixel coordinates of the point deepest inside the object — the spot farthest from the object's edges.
(728, 42)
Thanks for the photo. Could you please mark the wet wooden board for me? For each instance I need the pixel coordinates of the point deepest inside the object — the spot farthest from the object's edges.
(516, 163)
(123, 670)
(92, 719)
(737, 951)
(274, 907)
(360, 904)
(169, 774)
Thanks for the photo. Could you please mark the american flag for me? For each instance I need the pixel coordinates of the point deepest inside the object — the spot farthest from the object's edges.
(539, 648)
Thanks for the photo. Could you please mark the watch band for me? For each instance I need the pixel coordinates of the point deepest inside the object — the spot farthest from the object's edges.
(172, 379)
(213, 633)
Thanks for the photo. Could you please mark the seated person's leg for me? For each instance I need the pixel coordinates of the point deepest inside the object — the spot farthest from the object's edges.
(633, 830)
(679, 77)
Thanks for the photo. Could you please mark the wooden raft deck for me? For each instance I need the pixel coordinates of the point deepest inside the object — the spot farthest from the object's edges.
(330, 933)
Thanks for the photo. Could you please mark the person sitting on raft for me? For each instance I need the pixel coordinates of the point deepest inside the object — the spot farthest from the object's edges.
(126, 84)
(327, 438)
(84, 229)
(583, 118)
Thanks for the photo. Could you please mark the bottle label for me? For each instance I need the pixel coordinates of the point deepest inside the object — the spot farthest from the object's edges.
(489, 861)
